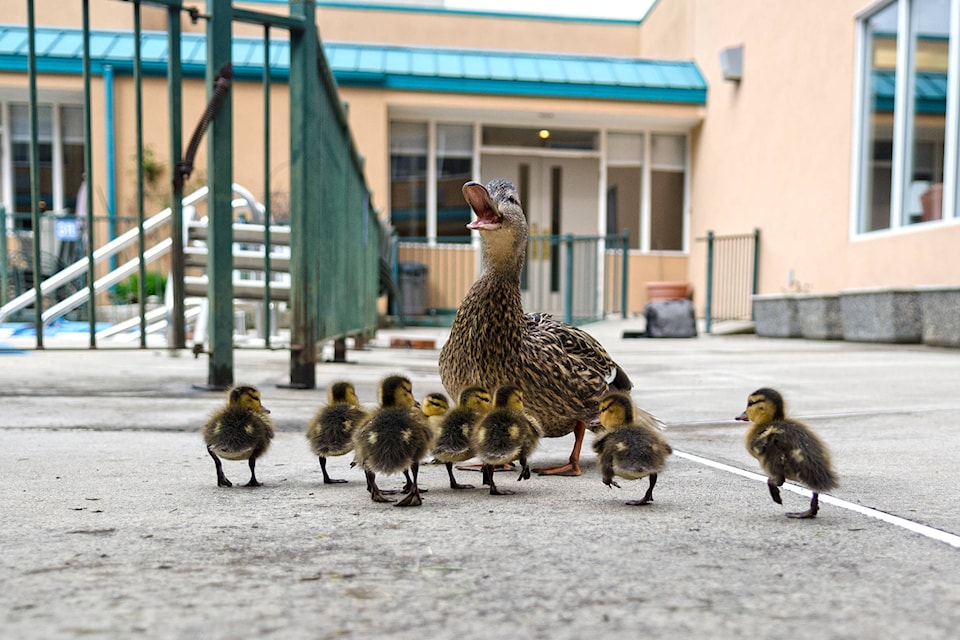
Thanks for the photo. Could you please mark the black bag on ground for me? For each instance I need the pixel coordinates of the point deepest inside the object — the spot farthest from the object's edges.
(670, 319)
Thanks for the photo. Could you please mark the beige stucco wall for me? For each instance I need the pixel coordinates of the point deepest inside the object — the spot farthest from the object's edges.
(774, 151)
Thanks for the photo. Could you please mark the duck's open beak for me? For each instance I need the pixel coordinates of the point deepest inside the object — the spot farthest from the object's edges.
(479, 200)
(743, 417)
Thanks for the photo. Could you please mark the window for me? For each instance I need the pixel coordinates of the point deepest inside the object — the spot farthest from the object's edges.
(625, 152)
(904, 152)
(667, 178)
(408, 178)
(425, 203)
(20, 150)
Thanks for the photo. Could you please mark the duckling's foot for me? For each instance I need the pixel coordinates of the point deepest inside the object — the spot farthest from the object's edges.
(253, 483)
(412, 499)
(221, 479)
(494, 491)
(253, 474)
(648, 496)
(809, 513)
(453, 481)
(375, 493)
(410, 485)
(524, 470)
(774, 487)
(223, 482)
(326, 478)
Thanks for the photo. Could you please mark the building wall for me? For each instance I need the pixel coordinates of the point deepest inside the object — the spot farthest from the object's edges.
(775, 150)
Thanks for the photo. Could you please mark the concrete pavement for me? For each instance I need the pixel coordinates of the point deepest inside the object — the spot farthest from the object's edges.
(113, 526)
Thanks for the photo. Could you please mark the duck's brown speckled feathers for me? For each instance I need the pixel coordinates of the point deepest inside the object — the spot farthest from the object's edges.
(330, 432)
(240, 431)
(563, 370)
(786, 449)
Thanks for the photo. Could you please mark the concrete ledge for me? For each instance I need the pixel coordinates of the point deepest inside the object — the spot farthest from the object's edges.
(940, 308)
(820, 317)
(775, 316)
(881, 315)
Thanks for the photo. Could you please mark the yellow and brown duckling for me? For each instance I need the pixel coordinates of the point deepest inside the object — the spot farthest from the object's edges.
(630, 445)
(435, 406)
(394, 440)
(454, 440)
(330, 432)
(505, 434)
(786, 449)
(240, 431)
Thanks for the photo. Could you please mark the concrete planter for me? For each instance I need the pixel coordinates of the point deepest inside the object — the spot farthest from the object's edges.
(820, 317)
(881, 315)
(776, 316)
(940, 306)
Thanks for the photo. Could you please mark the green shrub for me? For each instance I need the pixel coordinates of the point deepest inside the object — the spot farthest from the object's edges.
(127, 291)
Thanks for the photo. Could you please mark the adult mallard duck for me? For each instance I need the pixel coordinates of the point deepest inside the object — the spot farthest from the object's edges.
(786, 449)
(563, 370)
(330, 431)
(631, 445)
(453, 441)
(239, 431)
(394, 440)
(505, 434)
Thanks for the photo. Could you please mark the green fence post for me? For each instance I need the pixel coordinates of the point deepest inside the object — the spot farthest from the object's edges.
(708, 309)
(305, 193)
(756, 268)
(177, 334)
(219, 202)
(88, 175)
(4, 282)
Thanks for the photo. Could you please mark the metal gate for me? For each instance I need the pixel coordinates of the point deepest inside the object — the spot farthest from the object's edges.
(732, 271)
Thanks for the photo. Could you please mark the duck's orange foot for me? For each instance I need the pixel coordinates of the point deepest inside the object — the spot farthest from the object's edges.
(569, 469)
(479, 467)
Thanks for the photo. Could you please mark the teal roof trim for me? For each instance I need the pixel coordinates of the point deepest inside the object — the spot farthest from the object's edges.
(60, 50)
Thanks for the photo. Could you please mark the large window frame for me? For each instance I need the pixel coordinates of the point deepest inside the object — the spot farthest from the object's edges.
(899, 148)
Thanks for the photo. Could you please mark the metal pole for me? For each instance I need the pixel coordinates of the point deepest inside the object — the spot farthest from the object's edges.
(267, 329)
(568, 289)
(4, 280)
(88, 175)
(708, 310)
(756, 268)
(220, 209)
(305, 193)
(175, 318)
(138, 111)
(34, 173)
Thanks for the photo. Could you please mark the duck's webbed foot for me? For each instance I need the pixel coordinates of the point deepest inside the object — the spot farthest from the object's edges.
(453, 481)
(375, 493)
(410, 485)
(648, 496)
(572, 468)
(221, 479)
(774, 487)
(524, 470)
(488, 479)
(809, 513)
(326, 478)
(413, 495)
(479, 467)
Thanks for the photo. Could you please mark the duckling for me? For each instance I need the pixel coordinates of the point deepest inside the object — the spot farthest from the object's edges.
(330, 432)
(505, 434)
(564, 370)
(453, 442)
(630, 445)
(239, 431)
(786, 449)
(395, 438)
(435, 406)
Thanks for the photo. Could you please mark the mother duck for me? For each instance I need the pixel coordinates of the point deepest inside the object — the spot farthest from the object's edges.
(562, 370)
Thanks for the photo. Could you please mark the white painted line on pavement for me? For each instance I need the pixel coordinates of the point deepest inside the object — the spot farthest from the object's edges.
(922, 529)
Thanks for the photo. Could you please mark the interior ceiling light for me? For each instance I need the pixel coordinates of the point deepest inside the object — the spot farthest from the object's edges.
(544, 134)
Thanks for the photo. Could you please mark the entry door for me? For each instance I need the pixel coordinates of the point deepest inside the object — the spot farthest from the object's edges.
(559, 196)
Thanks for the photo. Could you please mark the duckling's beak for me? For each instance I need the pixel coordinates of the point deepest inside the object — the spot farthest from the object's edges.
(743, 417)
(479, 200)
(264, 409)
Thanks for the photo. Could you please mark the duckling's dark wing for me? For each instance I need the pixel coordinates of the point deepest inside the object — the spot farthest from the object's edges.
(333, 431)
(455, 430)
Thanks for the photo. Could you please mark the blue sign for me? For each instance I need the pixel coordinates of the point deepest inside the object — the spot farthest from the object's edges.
(66, 229)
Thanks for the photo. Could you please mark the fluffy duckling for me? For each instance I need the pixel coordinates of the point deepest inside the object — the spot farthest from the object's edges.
(394, 439)
(453, 442)
(630, 445)
(239, 431)
(330, 432)
(786, 449)
(435, 406)
(506, 434)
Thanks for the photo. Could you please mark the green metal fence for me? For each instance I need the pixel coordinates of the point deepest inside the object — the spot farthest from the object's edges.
(732, 272)
(335, 239)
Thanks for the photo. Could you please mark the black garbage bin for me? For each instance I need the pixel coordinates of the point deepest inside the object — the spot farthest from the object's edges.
(413, 282)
